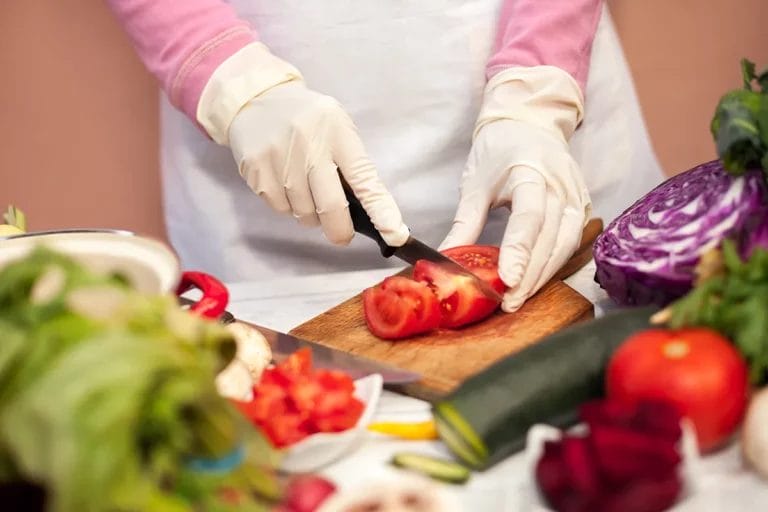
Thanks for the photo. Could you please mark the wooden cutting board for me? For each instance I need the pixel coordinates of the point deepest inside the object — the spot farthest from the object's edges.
(445, 358)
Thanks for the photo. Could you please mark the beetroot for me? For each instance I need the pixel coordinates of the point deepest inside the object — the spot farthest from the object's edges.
(646, 495)
(628, 461)
(306, 493)
(625, 454)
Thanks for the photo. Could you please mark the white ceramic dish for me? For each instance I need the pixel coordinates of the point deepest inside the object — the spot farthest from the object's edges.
(319, 450)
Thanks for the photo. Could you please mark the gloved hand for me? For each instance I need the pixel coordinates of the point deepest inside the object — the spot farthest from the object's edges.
(290, 142)
(520, 159)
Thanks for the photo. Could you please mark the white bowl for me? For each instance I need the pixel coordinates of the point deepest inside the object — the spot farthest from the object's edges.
(321, 449)
(150, 265)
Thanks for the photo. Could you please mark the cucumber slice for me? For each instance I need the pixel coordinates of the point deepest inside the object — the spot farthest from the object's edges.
(438, 469)
(458, 444)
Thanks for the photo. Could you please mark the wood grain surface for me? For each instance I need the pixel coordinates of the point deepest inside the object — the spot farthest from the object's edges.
(445, 358)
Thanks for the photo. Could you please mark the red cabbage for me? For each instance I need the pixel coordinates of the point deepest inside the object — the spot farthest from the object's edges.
(648, 253)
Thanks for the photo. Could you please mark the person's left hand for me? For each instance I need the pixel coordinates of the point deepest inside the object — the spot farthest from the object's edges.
(520, 159)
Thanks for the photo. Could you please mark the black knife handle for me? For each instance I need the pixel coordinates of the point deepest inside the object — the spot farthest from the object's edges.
(362, 222)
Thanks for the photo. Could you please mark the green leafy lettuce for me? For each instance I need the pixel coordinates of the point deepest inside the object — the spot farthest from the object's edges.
(107, 397)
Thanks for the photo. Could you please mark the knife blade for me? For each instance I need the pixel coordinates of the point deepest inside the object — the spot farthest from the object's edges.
(327, 358)
(331, 359)
(413, 249)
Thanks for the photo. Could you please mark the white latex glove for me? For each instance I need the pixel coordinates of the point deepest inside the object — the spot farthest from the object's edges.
(520, 159)
(290, 142)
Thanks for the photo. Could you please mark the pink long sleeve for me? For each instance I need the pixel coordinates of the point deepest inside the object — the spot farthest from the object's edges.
(182, 42)
(546, 32)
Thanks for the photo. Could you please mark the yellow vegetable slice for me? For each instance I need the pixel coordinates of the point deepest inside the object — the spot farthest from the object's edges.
(424, 430)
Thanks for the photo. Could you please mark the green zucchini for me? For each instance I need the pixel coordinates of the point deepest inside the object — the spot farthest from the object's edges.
(439, 469)
(488, 416)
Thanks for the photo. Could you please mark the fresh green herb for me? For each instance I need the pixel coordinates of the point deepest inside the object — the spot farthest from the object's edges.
(108, 400)
(740, 123)
(15, 217)
(731, 297)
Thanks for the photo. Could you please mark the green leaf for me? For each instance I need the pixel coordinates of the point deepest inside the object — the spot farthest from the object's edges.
(747, 73)
(762, 80)
(761, 119)
(739, 125)
(737, 131)
(15, 217)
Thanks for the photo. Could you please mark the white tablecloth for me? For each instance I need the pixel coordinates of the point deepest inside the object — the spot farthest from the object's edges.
(284, 303)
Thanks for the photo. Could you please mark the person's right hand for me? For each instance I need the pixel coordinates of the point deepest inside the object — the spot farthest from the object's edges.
(289, 144)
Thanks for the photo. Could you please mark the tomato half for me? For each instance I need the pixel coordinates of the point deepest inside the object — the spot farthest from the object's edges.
(400, 307)
(695, 369)
(461, 302)
(482, 260)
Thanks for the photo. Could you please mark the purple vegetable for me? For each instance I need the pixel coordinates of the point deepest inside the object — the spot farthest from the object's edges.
(647, 255)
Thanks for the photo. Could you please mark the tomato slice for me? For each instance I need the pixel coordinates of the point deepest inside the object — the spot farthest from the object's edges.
(341, 419)
(285, 429)
(268, 401)
(461, 302)
(400, 307)
(335, 380)
(298, 363)
(482, 260)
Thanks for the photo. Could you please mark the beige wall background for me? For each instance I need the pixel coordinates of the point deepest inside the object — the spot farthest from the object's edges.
(78, 113)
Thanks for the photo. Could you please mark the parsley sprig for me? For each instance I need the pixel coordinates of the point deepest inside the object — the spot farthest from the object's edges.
(740, 123)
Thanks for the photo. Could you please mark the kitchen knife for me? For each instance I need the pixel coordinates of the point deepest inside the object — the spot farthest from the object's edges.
(283, 345)
(328, 358)
(413, 250)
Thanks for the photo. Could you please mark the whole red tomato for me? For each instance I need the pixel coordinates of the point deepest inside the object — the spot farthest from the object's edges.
(696, 369)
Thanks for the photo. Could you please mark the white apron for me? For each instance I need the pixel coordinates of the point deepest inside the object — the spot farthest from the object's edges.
(411, 75)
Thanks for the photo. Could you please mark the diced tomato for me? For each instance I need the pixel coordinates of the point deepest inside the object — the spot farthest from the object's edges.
(341, 420)
(400, 307)
(267, 402)
(304, 393)
(285, 429)
(298, 363)
(331, 402)
(461, 302)
(334, 380)
(293, 401)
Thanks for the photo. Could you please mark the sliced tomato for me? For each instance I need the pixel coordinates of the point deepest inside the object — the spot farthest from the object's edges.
(482, 260)
(304, 393)
(268, 401)
(400, 307)
(461, 302)
(292, 400)
(331, 402)
(285, 429)
(342, 419)
(335, 380)
(298, 363)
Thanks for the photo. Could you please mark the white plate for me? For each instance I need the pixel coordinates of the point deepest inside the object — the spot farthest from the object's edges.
(318, 450)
